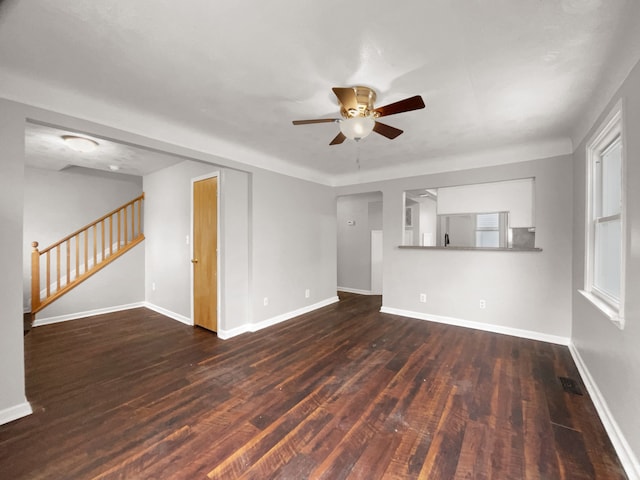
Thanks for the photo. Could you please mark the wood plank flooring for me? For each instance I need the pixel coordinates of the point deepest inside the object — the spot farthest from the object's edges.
(342, 392)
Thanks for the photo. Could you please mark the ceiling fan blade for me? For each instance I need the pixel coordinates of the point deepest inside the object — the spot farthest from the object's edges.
(386, 130)
(339, 139)
(317, 120)
(406, 105)
(346, 97)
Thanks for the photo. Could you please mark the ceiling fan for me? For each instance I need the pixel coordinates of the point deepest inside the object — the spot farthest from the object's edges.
(359, 116)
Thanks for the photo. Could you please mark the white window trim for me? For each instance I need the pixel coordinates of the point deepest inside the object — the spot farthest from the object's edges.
(611, 127)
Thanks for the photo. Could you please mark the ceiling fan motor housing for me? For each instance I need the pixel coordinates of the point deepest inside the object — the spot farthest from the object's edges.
(365, 98)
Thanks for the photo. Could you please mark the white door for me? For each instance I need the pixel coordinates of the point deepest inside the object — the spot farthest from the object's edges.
(376, 262)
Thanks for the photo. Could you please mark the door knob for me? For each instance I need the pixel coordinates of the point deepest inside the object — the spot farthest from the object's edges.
(194, 260)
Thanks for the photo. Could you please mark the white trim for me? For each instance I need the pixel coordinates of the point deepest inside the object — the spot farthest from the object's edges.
(605, 308)
(623, 449)
(13, 413)
(88, 313)
(286, 316)
(611, 127)
(356, 290)
(234, 332)
(219, 319)
(254, 327)
(523, 152)
(487, 327)
(168, 313)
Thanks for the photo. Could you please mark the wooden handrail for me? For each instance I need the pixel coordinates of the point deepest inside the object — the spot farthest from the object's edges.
(89, 225)
(92, 260)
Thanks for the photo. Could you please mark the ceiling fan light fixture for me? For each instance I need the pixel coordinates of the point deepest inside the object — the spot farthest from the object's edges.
(80, 144)
(356, 128)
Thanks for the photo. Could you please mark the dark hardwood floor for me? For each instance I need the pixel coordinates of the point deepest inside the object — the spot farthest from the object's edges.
(342, 392)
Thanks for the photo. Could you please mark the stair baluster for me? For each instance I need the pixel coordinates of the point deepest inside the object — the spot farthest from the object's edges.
(129, 234)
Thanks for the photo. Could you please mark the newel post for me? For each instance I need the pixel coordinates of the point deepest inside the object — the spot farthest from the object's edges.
(35, 277)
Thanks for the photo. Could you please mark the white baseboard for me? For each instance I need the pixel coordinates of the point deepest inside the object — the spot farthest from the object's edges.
(487, 327)
(234, 332)
(168, 313)
(13, 413)
(357, 291)
(254, 327)
(625, 453)
(89, 313)
(287, 316)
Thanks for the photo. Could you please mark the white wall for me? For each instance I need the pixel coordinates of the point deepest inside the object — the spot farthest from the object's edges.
(428, 222)
(354, 241)
(515, 197)
(612, 356)
(525, 291)
(58, 203)
(13, 403)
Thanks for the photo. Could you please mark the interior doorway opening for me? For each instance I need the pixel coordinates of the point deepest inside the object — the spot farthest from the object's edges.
(360, 239)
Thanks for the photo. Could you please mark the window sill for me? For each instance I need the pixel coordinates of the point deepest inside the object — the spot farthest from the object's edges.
(487, 249)
(607, 310)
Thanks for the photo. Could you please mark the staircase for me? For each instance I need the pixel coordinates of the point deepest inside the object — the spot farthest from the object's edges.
(60, 267)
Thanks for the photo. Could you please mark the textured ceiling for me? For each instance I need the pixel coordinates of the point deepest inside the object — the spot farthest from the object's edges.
(45, 148)
(516, 77)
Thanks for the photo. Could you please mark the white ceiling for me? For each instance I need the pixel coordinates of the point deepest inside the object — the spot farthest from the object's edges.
(45, 148)
(503, 80)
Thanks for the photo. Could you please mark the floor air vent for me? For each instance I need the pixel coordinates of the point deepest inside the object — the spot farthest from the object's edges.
(570, 385)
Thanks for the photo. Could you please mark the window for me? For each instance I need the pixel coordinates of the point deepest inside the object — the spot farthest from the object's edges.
(488, 230)
(604, 269)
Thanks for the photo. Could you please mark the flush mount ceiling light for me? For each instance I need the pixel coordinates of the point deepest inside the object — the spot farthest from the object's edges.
(80, 144)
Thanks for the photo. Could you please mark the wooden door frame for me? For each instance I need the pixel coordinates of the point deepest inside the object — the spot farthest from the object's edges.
(217, 175)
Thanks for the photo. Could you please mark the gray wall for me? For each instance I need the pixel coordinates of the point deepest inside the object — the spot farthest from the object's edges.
(235, 248)
(287, 229)
(12, 391)
(167, 223)
(277, 233)
(293, 244)
(58, 203)
(526, 291)
(611, 355)
(354, 241)
(168, 255)
(120, 284)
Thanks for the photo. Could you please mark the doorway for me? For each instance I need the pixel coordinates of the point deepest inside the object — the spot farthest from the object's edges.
(205, 253)
(359, 245)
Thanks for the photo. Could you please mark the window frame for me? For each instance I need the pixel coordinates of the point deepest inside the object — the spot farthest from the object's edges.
(610, 130)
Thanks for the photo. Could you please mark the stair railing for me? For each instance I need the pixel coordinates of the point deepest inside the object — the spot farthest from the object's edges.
(70, 261)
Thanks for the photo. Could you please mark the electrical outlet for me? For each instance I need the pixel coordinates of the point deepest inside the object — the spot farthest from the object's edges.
(307, 293)
(483, 304)
(265, 301)
(423, 298)
(153, 286)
